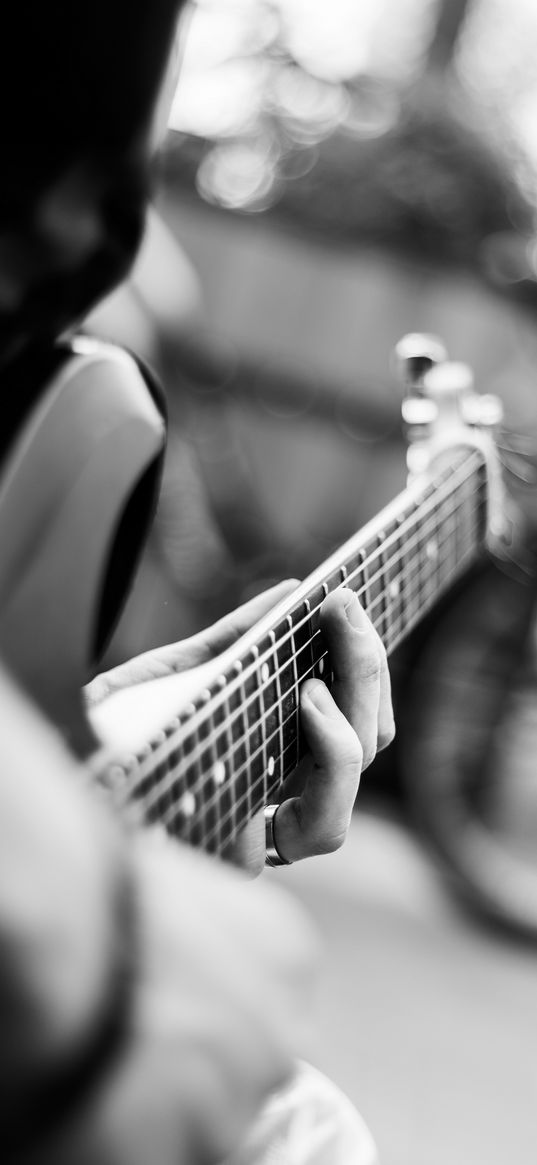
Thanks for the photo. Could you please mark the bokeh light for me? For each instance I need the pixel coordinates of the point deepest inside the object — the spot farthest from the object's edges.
(293, 73)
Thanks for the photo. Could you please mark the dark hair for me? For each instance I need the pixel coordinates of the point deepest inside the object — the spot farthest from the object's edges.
(75, 77)
(78, 87)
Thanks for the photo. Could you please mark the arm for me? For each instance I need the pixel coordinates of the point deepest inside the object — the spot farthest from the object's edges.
(214, 1014)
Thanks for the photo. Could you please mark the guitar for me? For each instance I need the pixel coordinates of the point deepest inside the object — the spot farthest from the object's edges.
(203, 767)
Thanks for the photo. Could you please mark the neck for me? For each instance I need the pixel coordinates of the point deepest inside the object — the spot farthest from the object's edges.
(214, 767)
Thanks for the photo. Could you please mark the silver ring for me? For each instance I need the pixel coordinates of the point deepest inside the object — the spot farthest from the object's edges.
(274, 857)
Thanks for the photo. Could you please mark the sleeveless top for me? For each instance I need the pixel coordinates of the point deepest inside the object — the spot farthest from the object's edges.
(76, 129)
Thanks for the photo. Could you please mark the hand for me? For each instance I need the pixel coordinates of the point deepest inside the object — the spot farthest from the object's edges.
(221, 995)
(219, 970)
(344, 730)
(188, 655)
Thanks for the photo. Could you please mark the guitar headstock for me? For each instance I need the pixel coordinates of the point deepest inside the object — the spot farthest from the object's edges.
(441, 411)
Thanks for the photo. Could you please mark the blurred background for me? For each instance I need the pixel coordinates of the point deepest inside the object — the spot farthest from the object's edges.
(335, 175)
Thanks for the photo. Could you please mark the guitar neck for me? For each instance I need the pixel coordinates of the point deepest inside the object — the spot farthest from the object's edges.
(216, 765)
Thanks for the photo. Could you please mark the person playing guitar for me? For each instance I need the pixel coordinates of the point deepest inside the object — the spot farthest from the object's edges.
(151, 998)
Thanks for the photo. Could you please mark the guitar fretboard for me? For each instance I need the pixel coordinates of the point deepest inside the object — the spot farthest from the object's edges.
(211, 769)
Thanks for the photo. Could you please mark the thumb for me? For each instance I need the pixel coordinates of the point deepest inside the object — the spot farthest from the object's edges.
(224, 633)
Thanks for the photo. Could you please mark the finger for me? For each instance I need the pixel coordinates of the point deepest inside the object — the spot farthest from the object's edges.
(317, 821)
(386, 722)
(248, 851)
(359, 662)
(224, 633)
(199, 649)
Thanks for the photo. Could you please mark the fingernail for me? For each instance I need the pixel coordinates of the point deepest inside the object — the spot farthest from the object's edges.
(356, 615)
(318, 695)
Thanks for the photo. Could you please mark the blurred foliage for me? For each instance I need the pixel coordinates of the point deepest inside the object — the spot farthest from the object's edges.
(429, 183)
(408, 159)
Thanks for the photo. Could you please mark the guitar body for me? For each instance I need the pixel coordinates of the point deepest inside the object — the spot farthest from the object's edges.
(76, 492)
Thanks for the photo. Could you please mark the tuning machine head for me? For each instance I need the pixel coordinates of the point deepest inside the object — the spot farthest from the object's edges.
(483, 411)
(439, 390)
(451, 386)
(442, 413)
(414, 356)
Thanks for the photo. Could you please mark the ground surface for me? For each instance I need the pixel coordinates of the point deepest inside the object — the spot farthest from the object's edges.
(427, 1020)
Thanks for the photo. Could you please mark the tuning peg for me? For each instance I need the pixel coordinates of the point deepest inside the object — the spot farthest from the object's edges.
(485, 412)
(451, 379)
(449, 386)
(419, 411)
(414, 356)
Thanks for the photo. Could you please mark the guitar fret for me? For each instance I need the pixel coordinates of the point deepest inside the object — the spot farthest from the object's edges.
(239, 755)
(363, 590)
(207, 775)
(291, 707)
(321, 668)
(211, 771)
(257, 738)
(298, 725)
(406, 571)
(176, 804)
(257, 706)
(276, 759)
(435, 563)
(429, 558)
(157, 786)
(254, 712)
(142, 788)
(304, 638)
(394, 586)
(417, 592)
(217, 774)
(192, 799)
(382, 610)
(303, 660)
(270, 689)
(222, 775)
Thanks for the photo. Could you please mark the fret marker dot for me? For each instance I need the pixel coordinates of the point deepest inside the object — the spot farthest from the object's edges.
(431, 549)
(394, 588)
(219, 772)
(187, 805)
(321, 666)
(271, 766)
(265, 672)
(117, 774)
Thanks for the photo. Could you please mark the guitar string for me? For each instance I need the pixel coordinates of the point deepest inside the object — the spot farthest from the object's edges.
(367, 560)
(241, 809)
(174, 775)
(239, 742)
(169, 744)
(160, 792)
(223, 727)
(230, 822)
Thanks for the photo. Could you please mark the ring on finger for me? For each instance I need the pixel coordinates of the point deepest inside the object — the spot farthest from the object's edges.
(273, 856)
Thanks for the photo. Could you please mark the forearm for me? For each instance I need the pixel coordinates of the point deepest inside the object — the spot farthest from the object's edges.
(64, 918)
